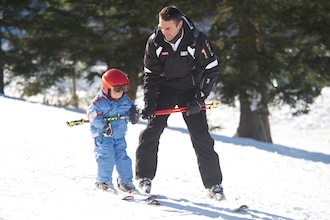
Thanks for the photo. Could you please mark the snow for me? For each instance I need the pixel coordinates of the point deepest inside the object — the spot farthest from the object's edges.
(47, 170)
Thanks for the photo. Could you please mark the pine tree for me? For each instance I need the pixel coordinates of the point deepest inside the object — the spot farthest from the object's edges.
(57, 36)
(273, 52)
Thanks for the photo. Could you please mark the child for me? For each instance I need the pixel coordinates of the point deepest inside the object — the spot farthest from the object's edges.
(108, 127)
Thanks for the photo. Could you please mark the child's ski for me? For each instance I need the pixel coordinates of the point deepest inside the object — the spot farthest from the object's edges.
(150, 199)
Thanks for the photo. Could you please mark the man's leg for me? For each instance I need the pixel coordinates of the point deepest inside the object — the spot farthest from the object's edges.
(203, 143)
(146, 153)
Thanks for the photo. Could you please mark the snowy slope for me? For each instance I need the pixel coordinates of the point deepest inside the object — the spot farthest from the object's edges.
(47, 170)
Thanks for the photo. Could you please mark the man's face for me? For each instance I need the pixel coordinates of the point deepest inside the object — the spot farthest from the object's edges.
(169, 29)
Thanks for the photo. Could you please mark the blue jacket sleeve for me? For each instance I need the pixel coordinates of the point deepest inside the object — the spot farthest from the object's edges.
(95, 117)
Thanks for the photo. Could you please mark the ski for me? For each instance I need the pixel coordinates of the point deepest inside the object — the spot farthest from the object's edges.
(149, 200)
(241, 208)
(225, 202)
(154, 201)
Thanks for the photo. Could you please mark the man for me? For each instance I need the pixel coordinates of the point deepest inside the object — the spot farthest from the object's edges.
(180, 69)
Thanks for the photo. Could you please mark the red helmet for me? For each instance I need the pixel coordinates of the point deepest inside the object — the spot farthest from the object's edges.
(114, 79)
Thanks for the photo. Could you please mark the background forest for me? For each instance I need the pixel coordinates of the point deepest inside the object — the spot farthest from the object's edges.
(273, 52)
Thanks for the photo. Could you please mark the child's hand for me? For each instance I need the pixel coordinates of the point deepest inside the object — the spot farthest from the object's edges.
(107, 130)
(134, 114)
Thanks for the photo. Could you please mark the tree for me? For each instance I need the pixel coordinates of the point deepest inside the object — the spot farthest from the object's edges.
(120, 31)
(13, 16)
(274, 52)
(59, 40)
(36, 45)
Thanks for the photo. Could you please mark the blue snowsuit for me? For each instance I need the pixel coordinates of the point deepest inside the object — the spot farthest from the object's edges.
(110, 151)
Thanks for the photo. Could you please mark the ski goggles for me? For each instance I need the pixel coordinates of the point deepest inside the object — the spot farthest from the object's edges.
(119, 88)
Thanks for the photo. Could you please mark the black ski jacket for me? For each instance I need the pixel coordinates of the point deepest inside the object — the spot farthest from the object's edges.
(192, 66)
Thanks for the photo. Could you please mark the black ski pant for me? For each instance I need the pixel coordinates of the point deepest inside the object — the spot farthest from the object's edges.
(203, 144)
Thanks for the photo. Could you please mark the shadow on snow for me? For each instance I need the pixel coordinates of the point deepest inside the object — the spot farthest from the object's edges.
(221, 209)
(273, 148)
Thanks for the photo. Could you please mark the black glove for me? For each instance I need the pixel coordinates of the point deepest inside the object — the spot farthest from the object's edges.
(107, 130)
(134, 114)
(193, 107)
(148, 113)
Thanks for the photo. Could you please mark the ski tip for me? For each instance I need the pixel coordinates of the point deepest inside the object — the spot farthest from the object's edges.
(241, 208)
(128, 197)
(154, 202)
(152, 197)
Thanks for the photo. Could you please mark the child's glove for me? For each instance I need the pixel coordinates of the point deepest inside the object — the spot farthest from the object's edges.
(134, 114)
(107, 130)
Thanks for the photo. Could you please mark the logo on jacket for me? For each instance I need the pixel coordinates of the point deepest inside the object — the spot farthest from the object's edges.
(165, 53)
(184, 53)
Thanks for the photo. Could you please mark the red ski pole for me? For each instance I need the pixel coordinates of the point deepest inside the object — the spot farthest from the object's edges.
(184, 109)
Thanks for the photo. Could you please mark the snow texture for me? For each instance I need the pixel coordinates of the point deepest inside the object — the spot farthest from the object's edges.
(47, 170)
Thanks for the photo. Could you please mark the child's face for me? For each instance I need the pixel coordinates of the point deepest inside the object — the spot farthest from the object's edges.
(116, 95)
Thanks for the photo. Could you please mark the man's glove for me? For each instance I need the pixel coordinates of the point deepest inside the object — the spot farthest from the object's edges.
(148, 113)
(107, 130)
(193, 107)
(134, 114)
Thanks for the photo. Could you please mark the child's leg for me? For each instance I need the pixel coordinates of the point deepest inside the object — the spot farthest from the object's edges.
(123, 162)
(104, 155)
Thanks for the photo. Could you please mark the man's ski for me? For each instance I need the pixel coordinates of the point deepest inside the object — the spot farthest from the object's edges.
(153, 200)
(241, 208)
(224, 201)
(150, 200)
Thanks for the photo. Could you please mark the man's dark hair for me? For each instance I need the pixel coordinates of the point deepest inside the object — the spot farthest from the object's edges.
(171, 13)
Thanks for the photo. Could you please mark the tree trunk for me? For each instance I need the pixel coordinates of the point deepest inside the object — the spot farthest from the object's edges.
(2, 85)
(254, 123)
(254, 113)
(74, 92)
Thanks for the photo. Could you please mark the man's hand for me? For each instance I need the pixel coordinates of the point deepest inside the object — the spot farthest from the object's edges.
(193, 107)
(107, 130)
(134, 114)
(148, 113)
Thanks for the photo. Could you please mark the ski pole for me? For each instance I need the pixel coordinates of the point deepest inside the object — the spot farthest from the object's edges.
(209, 106)
(83, 121)
(76, 122)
